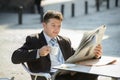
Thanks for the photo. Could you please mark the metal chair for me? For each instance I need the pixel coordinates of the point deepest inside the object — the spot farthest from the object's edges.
(46, 75)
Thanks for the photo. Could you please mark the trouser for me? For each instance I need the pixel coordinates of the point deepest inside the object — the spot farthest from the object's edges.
(77, 76)
(85, 76)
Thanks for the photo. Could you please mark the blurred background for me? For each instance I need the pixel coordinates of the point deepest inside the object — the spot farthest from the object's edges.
(19, 18)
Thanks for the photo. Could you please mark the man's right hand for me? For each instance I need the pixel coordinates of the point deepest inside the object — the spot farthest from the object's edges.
(44, 51)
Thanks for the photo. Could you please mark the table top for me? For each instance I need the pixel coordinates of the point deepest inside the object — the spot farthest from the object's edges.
(100, 67)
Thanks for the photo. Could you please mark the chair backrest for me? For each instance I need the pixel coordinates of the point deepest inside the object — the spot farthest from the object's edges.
(42, 74)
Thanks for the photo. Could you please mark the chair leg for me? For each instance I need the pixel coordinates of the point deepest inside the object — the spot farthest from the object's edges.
(49, 79)
(35, 78)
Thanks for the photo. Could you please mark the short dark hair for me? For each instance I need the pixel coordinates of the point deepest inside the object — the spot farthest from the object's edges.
(52, 14)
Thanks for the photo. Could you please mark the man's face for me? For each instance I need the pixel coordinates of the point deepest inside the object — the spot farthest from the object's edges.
(52, 27)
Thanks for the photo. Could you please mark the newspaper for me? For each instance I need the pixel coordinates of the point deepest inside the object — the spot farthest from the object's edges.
(85, 49)
(89, 41)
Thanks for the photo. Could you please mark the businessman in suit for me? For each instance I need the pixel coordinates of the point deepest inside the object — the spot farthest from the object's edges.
(37, 50)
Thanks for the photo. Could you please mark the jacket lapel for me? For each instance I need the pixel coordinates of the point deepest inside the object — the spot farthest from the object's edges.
(61, 44)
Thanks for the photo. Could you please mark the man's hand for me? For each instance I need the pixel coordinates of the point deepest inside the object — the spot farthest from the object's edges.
(98, 51)
(44, 51)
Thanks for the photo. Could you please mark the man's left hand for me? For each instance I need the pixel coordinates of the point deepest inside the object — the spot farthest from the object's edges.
(98, 51)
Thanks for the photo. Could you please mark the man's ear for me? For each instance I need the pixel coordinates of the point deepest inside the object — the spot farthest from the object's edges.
(44, 24)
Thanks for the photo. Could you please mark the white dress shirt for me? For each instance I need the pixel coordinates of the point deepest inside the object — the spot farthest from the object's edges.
(56, 56)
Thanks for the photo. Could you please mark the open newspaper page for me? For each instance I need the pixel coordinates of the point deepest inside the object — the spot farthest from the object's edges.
(85, 49)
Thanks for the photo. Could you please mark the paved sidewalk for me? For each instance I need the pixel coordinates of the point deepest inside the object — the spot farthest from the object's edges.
(12, 35)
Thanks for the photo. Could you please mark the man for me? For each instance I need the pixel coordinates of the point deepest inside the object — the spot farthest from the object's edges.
(39, 8)
(38, 5)
(37, 50)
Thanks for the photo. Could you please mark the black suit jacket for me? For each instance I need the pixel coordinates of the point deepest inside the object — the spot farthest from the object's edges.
(27, 53)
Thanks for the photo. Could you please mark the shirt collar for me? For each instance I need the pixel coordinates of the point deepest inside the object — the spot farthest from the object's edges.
(48, 38)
